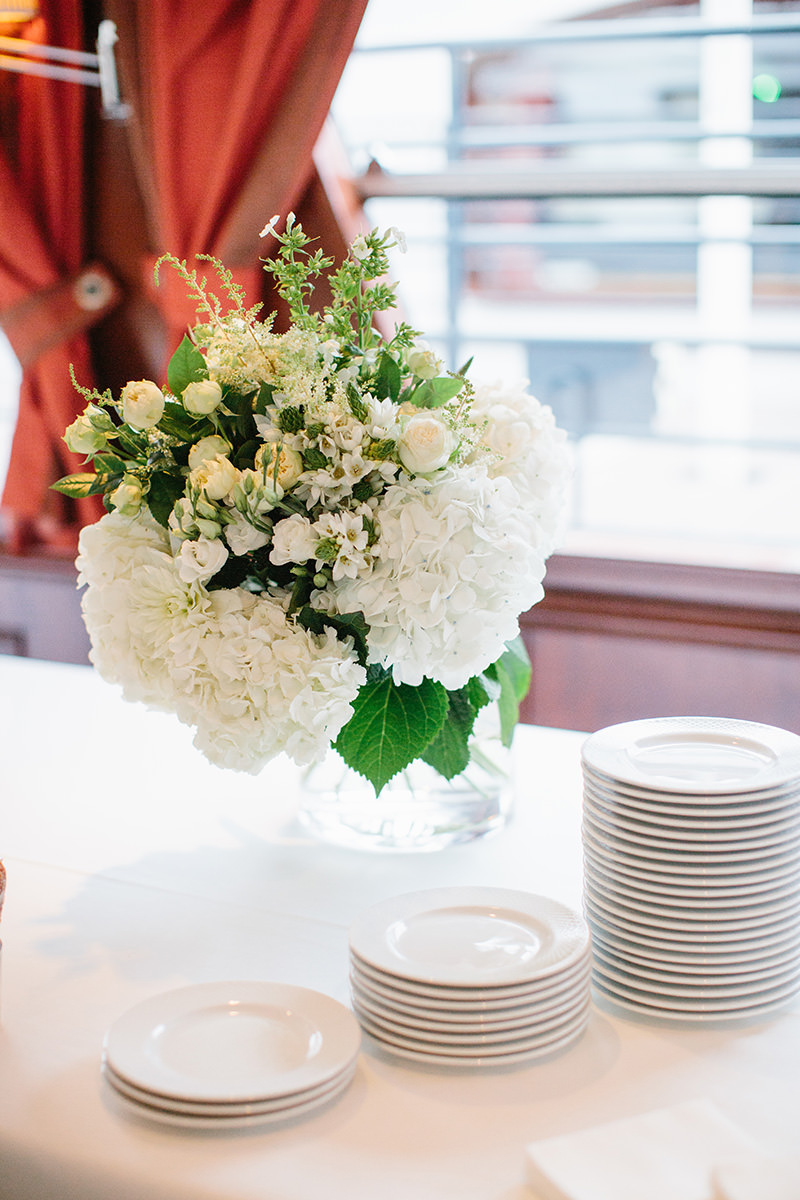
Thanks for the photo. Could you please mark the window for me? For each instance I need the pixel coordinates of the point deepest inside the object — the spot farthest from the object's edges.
(609, 206)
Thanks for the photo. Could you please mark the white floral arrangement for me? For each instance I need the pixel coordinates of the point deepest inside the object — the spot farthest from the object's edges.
(316, 538)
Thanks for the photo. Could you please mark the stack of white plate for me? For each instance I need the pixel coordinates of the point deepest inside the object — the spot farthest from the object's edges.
(471, 976)
(691, 837)
(228, 1055)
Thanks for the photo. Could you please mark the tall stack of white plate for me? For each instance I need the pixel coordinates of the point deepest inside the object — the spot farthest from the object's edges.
(471, 977)
(229, 1055)
(691, 838)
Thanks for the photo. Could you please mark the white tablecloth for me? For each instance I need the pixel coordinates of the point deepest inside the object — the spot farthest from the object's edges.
(135, 867)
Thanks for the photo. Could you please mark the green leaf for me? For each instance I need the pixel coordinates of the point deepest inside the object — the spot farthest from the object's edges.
(164, 491)
(433, 393)
(392, 724)
(186, 365)
(109, 464)
(346, 625)
(388, 379)
(177, 422)
(263, 399)
(77, 486)
(448, 753)
(513, 673)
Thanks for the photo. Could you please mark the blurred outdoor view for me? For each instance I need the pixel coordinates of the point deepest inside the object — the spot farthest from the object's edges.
(661, 327)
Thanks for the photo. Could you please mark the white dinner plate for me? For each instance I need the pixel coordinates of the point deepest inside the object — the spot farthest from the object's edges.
(654, 825)
(677, 879)
(499, 1053)
(686, 989)
(714, 899)
(683, 971)
(668, 917)
(560, 1003)
(753, 1012)
(682, 954)
(786, 935)
(469, 937)
(233, 1041)
(222, 1124)
(690, 801)
(695, 755)
(691, 809)
(677, 849)
(691, 863)
(454, 998)
(232, 1108)
(491, 1039)
(721, 1004)
(752, 816)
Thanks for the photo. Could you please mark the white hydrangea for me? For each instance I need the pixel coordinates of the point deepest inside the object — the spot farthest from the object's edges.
(454, 567)
(530, 451)
(229, 663)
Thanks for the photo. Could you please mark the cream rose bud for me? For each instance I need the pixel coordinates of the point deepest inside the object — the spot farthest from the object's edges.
(127, 496)
(206, 448)
(422, 361)
(216, 476)
(201, 397)
(294, 540)
(290, 465)
(142, 404)
(82, 438)
(425, 444)
(198, 561)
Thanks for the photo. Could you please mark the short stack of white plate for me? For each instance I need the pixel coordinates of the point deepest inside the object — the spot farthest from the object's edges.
(691, 838)
(471, 976)
(229, 1055)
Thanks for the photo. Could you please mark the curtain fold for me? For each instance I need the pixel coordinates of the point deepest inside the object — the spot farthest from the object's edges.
(228, 101)
(41, 243)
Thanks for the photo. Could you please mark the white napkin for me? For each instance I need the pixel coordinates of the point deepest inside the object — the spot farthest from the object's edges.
(667, 1154)
(758, 1178)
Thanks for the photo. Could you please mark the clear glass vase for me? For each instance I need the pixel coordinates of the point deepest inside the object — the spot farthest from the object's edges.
(418, 810)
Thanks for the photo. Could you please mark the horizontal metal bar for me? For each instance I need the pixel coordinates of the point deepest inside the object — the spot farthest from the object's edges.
(546, 234)
(632, 29)
(506, 136)
(22, 66)
(78, 58)
(508, 181)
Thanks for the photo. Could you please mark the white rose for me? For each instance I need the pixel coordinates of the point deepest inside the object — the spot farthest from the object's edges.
(198, 561)
(201, 397)
(422, 361)
(294, 540)
(82, 438)
(425, 444)
(242, 537)
(127, 497)
(206, 448)
(290, 465)
(142, 404)
(216, 476)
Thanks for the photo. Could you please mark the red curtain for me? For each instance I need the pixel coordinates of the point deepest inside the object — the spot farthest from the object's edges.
(228, 101)
(41, 254)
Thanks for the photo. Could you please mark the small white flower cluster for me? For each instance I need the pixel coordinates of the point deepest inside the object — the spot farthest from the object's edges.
(227, 662)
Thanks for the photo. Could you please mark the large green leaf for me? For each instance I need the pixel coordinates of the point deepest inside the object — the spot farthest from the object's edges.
(176, 421)
(85, 483)
(392, 724)
(388, 380)
(448, 753)
(186, 365)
